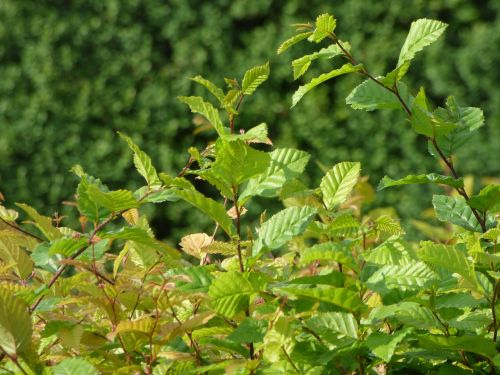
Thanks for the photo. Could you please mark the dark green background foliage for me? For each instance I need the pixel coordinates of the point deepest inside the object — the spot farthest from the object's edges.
(73, 73)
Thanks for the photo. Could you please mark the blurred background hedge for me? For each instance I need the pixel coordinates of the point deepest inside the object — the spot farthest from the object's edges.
(72, 73)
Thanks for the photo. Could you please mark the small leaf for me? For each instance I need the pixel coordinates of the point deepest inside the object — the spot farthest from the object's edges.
(192, 244)
(115, 201)
(456, 211)
(423, 32)
(198, 105)
(325, 25)
(302, 90)
(370, 96)
(67, 246)
(431, 178)
(338, 183)
(340, 322)
(293, 40)
(301, 65)
(43, 223)
(216, 91)
(488, 199)
(254, 78)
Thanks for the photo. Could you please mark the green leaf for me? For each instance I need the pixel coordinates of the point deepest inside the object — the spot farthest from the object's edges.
(230, 293)
(328, 251)
(411, 276)
(115, 201)
(278, 339)
(302, 90)
(207, 110)
(431, 178)
(143, 163)
(417, 316)
(86, 205)
(257, 134)
(423, 32)
(448, 257)
(370, 96)
(249, 330)
(341, 297)
(473, 344)
(209, 207)
(334, 278)
(393, 77)
(426, 123)
(285, 164)
(282, 227)
(391, 252)
(338, 183)
(43, 223)
(254, 78)
(15, 324)
(216, 91)
(341, 322)
(67, 246)
(325, 25)
(456, 211)
(383, 345)
(301, 65)
(74, 366)
(293, 40)
(488, 199)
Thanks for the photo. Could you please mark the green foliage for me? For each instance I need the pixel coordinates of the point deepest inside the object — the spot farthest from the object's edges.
(324, 285)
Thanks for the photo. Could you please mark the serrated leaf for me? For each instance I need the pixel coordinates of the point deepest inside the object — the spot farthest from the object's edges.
(456, 211)
(279, 338)
(143, 163)
(8, 215)
(282, 227)
(488, 199)
(340, 322)
(143, 325)
(427, 123)
(301, 65)
(15, 324)
(343, 226)
(411, 276)
(338, 183)
(216, 91)
(230, 293)
(293, 40)
(67, 246)
(209, 207)
(43, 223)
(325, 25)
(474, 344)
(341, 297)
(254, 78)
(328, 251)
(302, 90)
(383, 345)
(115, 201)
(393, 77)
(423, 32)
(391, 252)
(431, 178)
(74, 366)
(249, 330)
(285, 164)
(370, 96)
(207, 110)
(86, 205)
(218, 247)
(417, 316)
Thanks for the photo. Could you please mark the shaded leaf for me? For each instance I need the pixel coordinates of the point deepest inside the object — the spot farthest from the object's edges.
(43, 223)
(341, 297)
(456, 211)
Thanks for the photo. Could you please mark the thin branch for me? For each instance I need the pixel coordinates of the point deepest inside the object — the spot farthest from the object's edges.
(13, 358)
(493, 310)
(238, 228)
(290, 360)
(19, 229)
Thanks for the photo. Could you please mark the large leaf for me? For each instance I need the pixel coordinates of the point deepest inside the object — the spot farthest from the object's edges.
(456, 211)
(74, 366)
(370, 96)
(325, 25)
(417, 316)
(230, 293)
(115, 201)
(383, 344)
(431, 178)
(207, 110)
(15, 324)
(338, 183)
(43, 223)
(301, 64)
(285, 164)
(143, 163)
(293, 40)
(341, 297)
(302, 90)
(254, 78)
(210, 208)
(340, 322)
(391, 252)
(423, 32)
(281, 227)
(257, 134)
(412, 276)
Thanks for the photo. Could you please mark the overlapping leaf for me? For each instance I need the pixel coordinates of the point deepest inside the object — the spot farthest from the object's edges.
(207, 110)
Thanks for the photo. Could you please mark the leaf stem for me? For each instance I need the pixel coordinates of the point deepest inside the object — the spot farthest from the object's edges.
(290, 360)
(493, 310)
(13, 358)
(19, 229)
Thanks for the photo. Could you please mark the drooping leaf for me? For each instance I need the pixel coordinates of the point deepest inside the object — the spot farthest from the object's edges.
(473, 344)
(370, 96)
(456, 211)
(74, 366)
(143, 163)
(383, 345)
(340, 322)
(293, 40)
(488, 199)
(43, 223)
(15, 324)
(281, 227)
(230, 293)
(301, 65)
(285, 164)
(423, 32)
(254, 78)
(431, 178)
(338, 183)
(325, 25)
(207, 110)
(216, 91)
(341, 297)
(210, 208)
(115, 201)
(302, 90)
